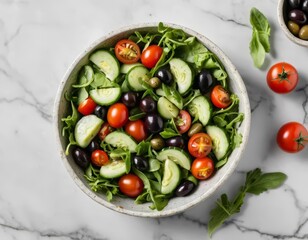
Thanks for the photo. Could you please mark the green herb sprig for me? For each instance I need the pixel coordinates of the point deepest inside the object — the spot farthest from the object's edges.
(256, 183)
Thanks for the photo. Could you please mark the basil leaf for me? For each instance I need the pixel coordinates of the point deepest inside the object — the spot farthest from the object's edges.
(257, 50)
(259, 21)
(168, 133)
(261, 31)
(86, 77)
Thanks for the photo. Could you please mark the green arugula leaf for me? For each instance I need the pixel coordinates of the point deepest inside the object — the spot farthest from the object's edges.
(256, 183)
(99, 184)
(125, 155)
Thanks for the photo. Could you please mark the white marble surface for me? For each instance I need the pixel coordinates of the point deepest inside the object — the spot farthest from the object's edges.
(38, 200)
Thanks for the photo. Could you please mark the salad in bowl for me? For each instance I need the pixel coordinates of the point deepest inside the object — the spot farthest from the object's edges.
(152, 120)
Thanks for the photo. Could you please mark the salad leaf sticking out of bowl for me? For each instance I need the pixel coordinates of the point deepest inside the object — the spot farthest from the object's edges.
(151, 116)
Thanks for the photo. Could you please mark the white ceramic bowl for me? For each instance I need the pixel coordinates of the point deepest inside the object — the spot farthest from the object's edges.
(283, 19)
(176, 205)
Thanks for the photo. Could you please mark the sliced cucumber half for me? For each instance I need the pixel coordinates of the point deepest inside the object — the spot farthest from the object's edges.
(182, 74)
(86, 129)
(166, 108)
(136, 76)
(105, 96)
(171, 177)
(114, 169)
(107, 63)
(125, 68)
(220, 141)
(121, 140)
(201, 109)
(175, 154)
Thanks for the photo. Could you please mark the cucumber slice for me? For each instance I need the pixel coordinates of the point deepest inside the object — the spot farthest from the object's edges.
(182, 74)
(201, 109)
(220, 141)
(107, 63)
(86, 129)
(171, 177)
(106, 96)
(125, 68)
(175, 154)
(136, 76)
(114, 169)
(167, 109)
(121, 140)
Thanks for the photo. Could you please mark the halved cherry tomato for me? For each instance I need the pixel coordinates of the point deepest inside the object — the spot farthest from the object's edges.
(200, 145)
(183, 121)
(282, 77)
(202, 168)
(136, 129)
(127, 51)
(87, 106)
(99, 158)
(105, 130)
(131, 185)
(292, 137)
(151, 55)
(117, 115)
(220, 97)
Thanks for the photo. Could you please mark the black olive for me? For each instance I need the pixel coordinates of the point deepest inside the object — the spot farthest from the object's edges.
(204, 81)
(175, 142)
(297, 16)
(184, 188)
(129, 99)
(94, 145)
(147, 104)
(81, 157)
(153, 123)
(100, 112)
(164, 75)
(140, 163)
(294, 3)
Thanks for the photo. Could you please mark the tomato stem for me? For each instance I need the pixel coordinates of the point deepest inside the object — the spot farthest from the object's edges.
(284, 75)
(301, 140)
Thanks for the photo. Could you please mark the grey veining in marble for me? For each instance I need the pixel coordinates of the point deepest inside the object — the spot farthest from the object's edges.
(38, 200)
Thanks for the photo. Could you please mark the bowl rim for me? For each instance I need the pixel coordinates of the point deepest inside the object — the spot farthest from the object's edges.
(282, 23)
(237, 157)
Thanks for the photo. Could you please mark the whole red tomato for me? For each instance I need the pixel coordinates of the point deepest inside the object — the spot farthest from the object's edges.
(282, 77)
(151, 55)
(131, 185)
(292, 137)
(136, 129)
(117, 115)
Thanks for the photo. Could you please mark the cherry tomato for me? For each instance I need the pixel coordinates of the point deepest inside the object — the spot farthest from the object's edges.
(117, 115)
(202, 168)
(151, 55)
(87, 106)
(292, 137)
(220, 97)
(183, 121)
(99, 158)
(131, 185)
(282, 77)
(127, 51)
(105, 130)
(200, 145)
(136, 129)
